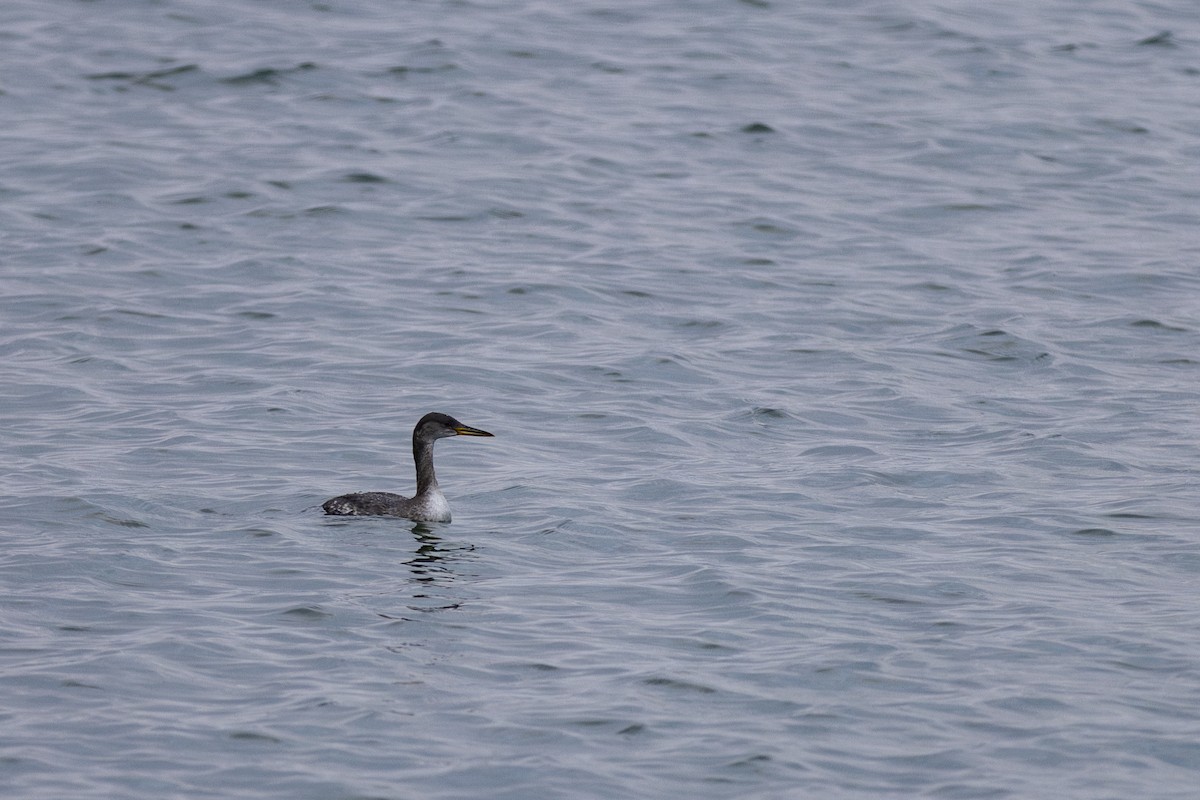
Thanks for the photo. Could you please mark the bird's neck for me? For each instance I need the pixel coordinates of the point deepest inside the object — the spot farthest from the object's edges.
(423, 455)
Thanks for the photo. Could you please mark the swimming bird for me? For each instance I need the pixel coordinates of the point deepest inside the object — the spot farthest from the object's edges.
(429, 504)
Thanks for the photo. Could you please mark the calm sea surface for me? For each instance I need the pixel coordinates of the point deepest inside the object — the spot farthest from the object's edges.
(843, 360)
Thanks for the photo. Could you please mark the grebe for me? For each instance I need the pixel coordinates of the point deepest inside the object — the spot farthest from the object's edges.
(429, 504)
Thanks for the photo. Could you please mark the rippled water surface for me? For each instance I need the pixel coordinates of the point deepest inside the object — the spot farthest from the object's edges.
(842, 361)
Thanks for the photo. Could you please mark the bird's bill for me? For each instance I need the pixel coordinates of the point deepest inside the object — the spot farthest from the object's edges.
(464, 430)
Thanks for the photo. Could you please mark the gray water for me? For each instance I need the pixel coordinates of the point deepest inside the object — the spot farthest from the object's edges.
(841, 356)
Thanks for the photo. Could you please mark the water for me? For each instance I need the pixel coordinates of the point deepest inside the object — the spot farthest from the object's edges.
(841, 359)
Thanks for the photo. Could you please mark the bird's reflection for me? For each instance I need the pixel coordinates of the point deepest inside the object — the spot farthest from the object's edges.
(433, 559)
(433, 568)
